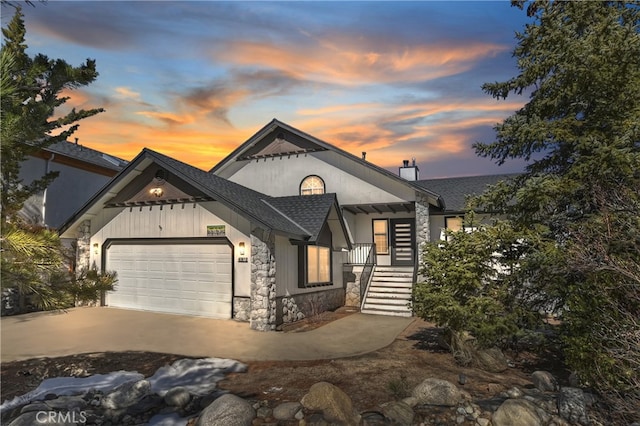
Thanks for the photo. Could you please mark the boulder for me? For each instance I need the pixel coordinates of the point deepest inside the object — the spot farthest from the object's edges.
(286, 410)
(491, 360)
(398, 413)
(516, 412)
(126, 395)
(228, 410)
(544, 381)
(572, 406)
(177, 397)
(336, 406)
(437, 392)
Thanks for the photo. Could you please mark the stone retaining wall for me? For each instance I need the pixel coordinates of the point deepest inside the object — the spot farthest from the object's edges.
(306, 305)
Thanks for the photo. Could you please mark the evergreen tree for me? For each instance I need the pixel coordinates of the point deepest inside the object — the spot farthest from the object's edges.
(31, 257)
(576, 208)
(31, 93)
(579, 62)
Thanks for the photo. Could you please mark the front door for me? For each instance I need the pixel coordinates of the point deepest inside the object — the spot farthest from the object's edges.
(402, 242)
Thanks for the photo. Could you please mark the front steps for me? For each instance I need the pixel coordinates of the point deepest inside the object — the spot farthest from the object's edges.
(389, 292)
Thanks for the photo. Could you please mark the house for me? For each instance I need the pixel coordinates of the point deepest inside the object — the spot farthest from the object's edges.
(456, 190)
(82, 172)
(285, 226)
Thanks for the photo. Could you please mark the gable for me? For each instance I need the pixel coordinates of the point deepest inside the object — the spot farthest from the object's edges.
(259, 163)
(279, 142)
(155, 185)
(282, 176)
(155, 179)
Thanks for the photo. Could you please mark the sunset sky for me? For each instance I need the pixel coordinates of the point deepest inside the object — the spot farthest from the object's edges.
(194, 80)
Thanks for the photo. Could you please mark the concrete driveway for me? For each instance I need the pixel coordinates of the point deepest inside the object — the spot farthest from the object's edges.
(84, 330)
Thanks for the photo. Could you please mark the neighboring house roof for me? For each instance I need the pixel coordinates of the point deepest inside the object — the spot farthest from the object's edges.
(310, 143)
(80, 156)
(254, 205)
(456, 190)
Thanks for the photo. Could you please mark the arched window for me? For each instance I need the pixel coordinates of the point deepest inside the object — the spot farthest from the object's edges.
(312, 185)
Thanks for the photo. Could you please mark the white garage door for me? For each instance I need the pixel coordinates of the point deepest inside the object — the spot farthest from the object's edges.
(191, 279)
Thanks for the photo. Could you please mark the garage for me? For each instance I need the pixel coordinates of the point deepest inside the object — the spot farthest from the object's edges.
(178, 276)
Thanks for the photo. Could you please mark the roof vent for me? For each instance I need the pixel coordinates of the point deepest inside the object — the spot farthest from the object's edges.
(364, 155)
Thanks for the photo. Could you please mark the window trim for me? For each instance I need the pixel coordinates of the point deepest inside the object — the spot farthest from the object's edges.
(324, 187)
(380, 250)
(325, 241)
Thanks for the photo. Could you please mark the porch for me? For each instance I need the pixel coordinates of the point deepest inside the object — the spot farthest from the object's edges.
(378, 289)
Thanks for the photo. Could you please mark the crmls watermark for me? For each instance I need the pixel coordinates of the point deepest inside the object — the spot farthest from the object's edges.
(60, 417)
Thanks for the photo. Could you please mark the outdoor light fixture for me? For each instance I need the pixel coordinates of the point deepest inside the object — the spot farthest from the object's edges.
(95, 248)
(241, 248)
(159, 181)
(156, 192)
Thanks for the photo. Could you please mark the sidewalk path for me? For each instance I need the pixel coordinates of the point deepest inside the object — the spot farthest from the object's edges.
(84, 330)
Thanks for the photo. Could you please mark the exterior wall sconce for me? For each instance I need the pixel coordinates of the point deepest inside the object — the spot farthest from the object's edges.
(241, 251)
(95, 248)
(156, 192)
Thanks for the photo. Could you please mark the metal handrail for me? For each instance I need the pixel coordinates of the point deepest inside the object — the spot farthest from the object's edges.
(366, 273)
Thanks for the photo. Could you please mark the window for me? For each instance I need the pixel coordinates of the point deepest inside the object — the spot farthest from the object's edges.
(318, 264)
(312, 185)
(453, 224)
(381, 235)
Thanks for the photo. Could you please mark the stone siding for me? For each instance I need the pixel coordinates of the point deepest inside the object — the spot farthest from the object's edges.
(241, 309)
(423, 234)
(263, 282)
(307, 305)
(83, 252)
(351, 276)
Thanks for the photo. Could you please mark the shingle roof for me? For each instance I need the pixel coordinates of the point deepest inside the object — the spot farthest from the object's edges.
(308, 211)
(87, 155)
(298, 217)
(455, 190)
(240, 198)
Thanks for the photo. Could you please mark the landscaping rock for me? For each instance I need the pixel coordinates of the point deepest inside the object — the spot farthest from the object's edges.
(286, 410)
(228, 410)
(126, 395)
(177, 397)
(336, 406)
(373, 418)
(437, 392)
(398, 412)
(491, 360)
(544, 381)
(572, 407)
(516, 412)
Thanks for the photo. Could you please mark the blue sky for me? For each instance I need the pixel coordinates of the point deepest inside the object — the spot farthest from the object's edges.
(196, 79)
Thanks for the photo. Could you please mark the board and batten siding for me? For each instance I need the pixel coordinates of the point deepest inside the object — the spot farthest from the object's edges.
(182, 221)
(287, 270)
(281, 176)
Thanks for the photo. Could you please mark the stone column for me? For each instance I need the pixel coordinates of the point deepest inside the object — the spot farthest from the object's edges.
(83, 252)
(423, 232)
(263, 282)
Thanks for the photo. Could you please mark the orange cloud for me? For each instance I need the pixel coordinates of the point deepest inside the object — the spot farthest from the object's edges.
(344, 63)
(127, 93)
